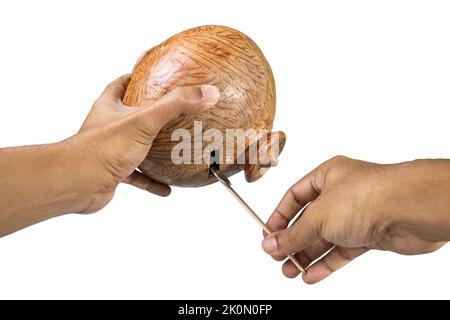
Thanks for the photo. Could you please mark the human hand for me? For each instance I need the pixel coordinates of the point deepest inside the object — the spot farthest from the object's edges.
(356, 206)
(114, 139)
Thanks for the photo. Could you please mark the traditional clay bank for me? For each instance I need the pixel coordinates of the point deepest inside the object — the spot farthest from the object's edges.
(225, 309)
(241, 147)
(211, 55)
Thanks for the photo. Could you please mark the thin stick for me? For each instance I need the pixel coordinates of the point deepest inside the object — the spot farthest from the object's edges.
(227, 184)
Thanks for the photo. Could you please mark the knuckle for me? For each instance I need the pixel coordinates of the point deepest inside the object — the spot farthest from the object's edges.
(110, 86)
(343, 254)
(102, 101)
(335, 167)
(99, 101)
(294, 197)
(327, 264)
(339, 159)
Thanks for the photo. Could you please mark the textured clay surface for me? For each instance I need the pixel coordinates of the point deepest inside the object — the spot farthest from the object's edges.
(214, 55)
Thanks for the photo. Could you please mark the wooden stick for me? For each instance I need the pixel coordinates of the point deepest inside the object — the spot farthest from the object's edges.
(227, 184)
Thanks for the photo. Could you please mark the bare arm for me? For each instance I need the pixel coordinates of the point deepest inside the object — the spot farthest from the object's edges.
(80, 174)
(37, 183)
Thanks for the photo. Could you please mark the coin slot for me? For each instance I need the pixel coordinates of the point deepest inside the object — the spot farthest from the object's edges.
(215, 160)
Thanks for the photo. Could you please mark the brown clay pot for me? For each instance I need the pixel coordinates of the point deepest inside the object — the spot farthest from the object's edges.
(214, 55)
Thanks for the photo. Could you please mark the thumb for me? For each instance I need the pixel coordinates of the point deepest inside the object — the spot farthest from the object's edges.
(299, 236)
(181, 101)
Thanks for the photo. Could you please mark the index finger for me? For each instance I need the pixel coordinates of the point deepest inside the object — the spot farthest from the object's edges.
(296, 198)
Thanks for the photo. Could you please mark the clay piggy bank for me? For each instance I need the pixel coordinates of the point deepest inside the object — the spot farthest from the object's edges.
(230, 60)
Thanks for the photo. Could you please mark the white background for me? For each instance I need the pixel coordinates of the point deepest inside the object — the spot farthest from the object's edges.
(368, 79)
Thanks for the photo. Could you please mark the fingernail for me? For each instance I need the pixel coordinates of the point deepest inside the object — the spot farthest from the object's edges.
(210, 94)
(269, 244)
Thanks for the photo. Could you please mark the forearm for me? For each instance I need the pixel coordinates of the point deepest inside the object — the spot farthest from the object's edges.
(37, 183)
(425, 185)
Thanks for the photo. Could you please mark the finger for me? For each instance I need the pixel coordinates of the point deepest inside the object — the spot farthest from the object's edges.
(331, 262)
(298, 196)
(115, 90)
(140, 181)
(306, 257)
(318, 248)
(181, 101)
(299, 236)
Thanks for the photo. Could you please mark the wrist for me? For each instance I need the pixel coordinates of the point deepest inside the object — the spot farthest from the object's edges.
(68, 177)
(90, 187)
(424, 197)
